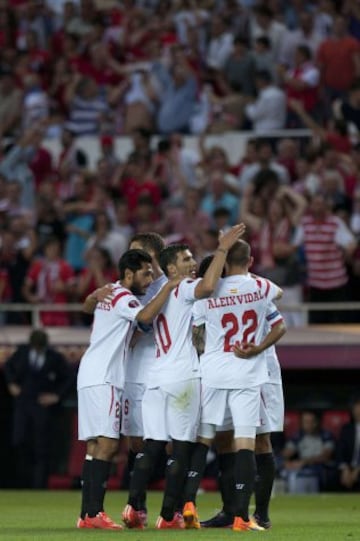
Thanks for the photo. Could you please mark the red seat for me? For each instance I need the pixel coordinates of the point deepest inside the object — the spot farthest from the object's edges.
(333, 420)
(291, 423)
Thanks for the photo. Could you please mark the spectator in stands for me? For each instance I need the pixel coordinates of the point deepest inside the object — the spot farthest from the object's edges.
(79, 219)
(263, 57)
(348, 450)
(220, 45)
(88, 107)
(10, 103)
(263, 23)
(276, 258)
(219, 195)
(38, 377)
(348, 108)
(71, 158)
(340, 53)
(301, 83)
(308, 456)
(264, 160)
(239, 68)
(49, 223)
(182, 218)
(105, 237)
(50, 280)
(100, 271)
(304, 34)
(15, 164)
(327, 243)
(268, 112)
(178, 93)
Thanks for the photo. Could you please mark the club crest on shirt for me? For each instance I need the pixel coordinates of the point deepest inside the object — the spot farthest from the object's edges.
(134, 304)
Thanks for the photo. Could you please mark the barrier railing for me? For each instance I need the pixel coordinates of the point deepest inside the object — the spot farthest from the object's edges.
(305, 307)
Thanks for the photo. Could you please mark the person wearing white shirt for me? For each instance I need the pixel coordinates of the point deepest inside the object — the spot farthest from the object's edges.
(220, 46)
(101, 377)
(268, 112)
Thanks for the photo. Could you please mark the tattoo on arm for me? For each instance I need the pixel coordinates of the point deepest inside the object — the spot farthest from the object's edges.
(198, 337)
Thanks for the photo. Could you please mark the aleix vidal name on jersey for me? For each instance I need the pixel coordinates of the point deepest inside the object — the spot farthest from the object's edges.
(233, 300)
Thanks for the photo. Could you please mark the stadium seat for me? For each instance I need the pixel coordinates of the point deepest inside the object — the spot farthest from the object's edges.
(291, 423)
(333, 420)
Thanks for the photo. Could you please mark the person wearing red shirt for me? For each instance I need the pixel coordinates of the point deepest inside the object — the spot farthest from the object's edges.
(50, 280)
(339, 60)
(136, 182)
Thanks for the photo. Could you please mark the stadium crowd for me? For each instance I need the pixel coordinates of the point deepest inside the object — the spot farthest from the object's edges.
(139, 68)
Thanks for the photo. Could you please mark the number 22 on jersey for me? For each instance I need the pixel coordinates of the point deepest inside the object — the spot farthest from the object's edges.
(230, 323)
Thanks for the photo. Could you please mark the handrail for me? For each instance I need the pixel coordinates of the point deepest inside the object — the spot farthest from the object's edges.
(305, 307)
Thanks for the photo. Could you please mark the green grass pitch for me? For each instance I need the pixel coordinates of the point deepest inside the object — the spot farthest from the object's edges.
(51, 516)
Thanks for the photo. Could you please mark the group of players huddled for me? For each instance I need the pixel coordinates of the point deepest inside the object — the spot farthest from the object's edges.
(158, 332)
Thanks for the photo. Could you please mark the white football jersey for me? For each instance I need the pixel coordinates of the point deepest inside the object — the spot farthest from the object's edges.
(142, 355)
(105, 358)
(235, 314)
(176, 358)
(273, 317)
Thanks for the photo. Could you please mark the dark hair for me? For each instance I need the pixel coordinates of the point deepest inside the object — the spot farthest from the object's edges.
(205, 264)
(132, 260)
(265, 178)
(220, 212)
(239, 254)
(305, 51)
(38, 339)
(164, 145)
(150, 241)
(264, 41)
(263, 75)
(168, 256)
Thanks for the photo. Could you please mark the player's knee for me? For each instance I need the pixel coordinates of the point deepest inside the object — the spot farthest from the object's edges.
(263, 444)
(106, 448)
(206, 433)
(224, 442)
(136, 445)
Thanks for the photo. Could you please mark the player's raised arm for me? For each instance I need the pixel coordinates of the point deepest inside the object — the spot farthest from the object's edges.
(147, 314)
(207, 285)
(246, 351)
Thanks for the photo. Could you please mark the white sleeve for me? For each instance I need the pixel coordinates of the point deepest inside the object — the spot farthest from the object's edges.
(273, 316)
(199, 313)
(187, 290)
(126, 305)
(343, 235)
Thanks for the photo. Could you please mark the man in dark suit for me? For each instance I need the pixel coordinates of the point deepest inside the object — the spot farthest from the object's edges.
(37, 377)
(348, 452)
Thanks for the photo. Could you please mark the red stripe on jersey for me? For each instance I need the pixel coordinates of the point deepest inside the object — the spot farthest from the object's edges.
(267, 287)
(122, 294)
(176, 292)
(112, 399)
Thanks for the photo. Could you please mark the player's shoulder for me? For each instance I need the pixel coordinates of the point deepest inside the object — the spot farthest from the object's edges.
(119, 292)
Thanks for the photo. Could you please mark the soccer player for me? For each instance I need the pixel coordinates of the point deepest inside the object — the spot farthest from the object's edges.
(101, 377)
(272, 399)
(235, 324)
(141, 355)
(171, 401)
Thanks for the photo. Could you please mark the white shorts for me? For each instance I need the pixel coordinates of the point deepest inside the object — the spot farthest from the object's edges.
(131, 411)
(172, 411)
(229, 408)
(272, 398)
(271, 411)
(99, 412)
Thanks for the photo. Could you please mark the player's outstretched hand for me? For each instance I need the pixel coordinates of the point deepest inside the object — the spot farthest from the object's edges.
(246, 351)
(228, 239)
